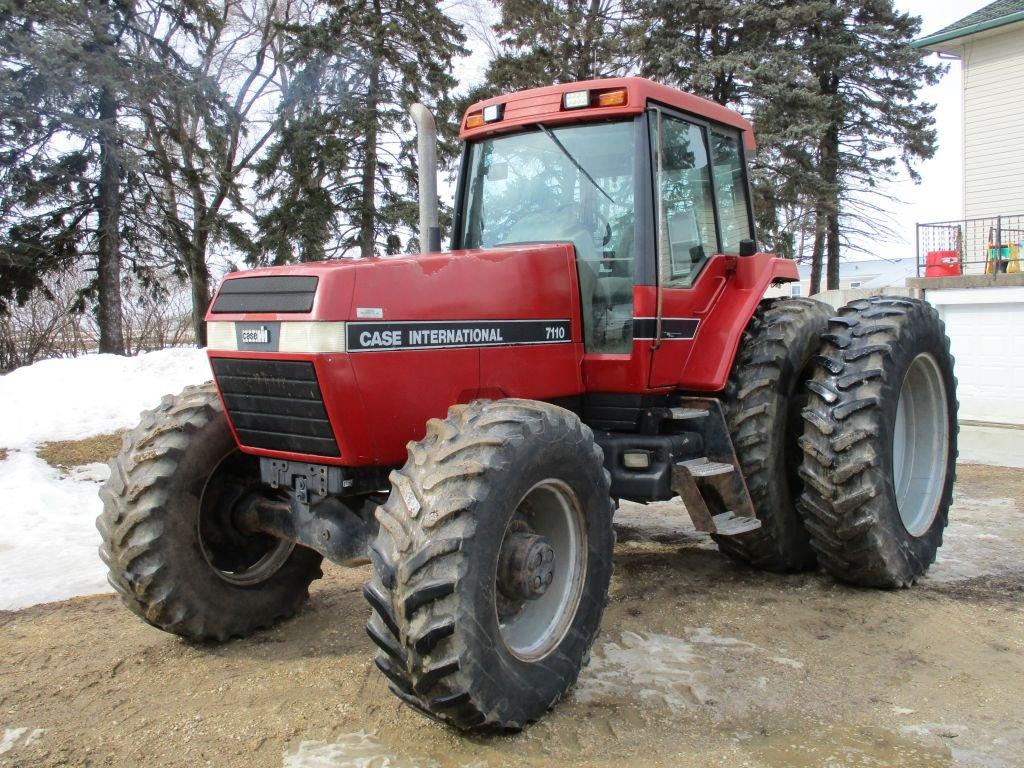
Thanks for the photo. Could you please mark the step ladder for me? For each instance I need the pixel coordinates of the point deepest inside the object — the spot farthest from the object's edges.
(718, 476)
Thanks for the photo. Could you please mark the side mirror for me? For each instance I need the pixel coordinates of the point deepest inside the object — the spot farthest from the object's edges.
(748, 247)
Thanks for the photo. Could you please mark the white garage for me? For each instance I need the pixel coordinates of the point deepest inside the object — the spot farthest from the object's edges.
(986, 328)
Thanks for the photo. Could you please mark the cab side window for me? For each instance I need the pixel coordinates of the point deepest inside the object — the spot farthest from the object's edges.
(686, 232)
(730, 189)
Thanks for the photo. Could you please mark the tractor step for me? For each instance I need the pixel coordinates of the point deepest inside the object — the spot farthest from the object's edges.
(703, 468)
(713, 482)
(682, 414)
(728, 524)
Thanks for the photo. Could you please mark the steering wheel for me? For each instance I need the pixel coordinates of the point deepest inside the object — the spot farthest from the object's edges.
(600, 220)
(575, 226)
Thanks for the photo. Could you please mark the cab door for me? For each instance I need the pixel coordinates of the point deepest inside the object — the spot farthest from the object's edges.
(702, 212)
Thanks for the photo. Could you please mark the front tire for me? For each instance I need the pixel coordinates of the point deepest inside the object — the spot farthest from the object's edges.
(174, 556)
(492, 564)
(880, 442)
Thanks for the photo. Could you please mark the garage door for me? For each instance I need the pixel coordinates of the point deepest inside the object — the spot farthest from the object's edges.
(986, 330)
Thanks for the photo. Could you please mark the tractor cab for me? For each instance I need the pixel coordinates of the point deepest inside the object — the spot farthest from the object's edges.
(646, 183)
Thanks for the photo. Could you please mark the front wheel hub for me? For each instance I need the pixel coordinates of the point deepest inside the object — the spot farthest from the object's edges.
(526, 567)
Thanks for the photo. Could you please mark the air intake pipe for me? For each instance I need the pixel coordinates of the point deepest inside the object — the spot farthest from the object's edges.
(426, 160)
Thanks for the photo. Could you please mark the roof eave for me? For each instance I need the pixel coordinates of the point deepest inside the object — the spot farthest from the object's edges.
(934, 42)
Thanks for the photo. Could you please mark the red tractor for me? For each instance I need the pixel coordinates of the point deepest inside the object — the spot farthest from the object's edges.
(468, 420)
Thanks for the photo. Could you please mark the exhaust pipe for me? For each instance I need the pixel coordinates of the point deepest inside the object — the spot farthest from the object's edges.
(426, 159)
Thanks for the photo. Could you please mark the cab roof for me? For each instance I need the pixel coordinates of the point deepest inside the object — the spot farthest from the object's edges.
(544, 105)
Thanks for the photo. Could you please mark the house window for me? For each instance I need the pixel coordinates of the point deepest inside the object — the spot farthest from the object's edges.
(855, 284)
(794, 289)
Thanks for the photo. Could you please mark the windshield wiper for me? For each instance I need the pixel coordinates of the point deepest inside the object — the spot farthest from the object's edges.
(575, 162)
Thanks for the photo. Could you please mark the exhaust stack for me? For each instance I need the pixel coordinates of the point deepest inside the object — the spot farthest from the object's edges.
(426, 159)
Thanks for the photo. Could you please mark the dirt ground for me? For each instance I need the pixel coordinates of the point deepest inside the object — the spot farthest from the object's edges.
(64, 454)
(701, 662)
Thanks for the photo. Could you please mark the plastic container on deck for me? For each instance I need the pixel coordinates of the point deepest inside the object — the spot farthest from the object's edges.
(942, 264)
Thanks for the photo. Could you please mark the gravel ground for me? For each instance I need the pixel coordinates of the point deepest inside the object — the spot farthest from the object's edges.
(700, 662)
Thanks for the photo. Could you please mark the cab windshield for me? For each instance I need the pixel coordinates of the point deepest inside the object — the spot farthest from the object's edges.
(571, 184)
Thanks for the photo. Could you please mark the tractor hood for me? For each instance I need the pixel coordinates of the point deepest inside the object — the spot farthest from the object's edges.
(508, 295)
(515, 282)
(344, 362)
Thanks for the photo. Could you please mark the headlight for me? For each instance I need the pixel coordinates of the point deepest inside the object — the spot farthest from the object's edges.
(312, 337)
(301, 336)
(220, 335)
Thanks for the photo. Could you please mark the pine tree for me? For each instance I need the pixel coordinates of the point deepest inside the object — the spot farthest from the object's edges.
(706, 47)
(873, 125)
(63, 149)
(75, 194)
(558, 41)
(831, 88)
(342, 170)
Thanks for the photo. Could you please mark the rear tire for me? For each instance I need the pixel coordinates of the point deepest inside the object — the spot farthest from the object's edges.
(488, 471)
(178, 472)
(763, 401)
(880, 442)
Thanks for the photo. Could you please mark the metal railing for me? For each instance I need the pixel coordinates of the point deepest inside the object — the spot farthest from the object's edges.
(986, 246)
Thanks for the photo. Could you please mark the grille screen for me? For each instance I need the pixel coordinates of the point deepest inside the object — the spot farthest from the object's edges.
(287, 293)
(276, 404)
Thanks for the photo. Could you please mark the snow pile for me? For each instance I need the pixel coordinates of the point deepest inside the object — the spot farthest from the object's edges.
(48, 538)
(72, 398)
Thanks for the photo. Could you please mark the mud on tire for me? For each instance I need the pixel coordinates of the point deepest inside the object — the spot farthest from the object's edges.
(150, 527)
(434, 593)
(763, 400)
(857, 480)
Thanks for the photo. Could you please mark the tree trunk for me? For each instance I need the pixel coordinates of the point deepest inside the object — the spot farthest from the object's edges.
(817, 252)
(832, 251)
(368, 204)
(199, 281)
(108, 264)
(830, 175)
(586, 67)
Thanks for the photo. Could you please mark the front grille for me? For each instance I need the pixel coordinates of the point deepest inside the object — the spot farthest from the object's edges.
(284, 293)
(276, 404)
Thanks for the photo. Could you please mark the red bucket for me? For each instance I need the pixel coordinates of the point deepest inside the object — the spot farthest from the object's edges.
(942, 264)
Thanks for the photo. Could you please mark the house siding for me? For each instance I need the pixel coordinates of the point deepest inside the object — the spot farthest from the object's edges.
(993, 94)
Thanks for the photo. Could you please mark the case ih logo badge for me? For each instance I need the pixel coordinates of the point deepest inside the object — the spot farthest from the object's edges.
(368, 337)
(259, 335)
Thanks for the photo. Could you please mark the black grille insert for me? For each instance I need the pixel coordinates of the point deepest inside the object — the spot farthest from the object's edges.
(276, 404)
(291, 293)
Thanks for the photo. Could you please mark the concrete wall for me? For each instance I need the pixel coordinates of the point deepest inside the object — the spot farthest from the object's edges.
(842, 296)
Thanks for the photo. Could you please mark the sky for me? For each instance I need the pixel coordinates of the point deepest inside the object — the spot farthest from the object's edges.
(938, 197)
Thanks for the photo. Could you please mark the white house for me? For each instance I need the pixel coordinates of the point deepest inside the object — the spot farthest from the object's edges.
(990, 47)
(983, 306)
(870, 274)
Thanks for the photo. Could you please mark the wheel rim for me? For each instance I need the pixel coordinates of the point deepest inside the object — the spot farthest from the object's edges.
(240, 559)
(920, 444)
(533, 628)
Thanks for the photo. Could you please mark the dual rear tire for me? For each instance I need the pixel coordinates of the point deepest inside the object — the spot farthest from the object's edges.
(880, 442)
(845, 429)
(763, 401)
